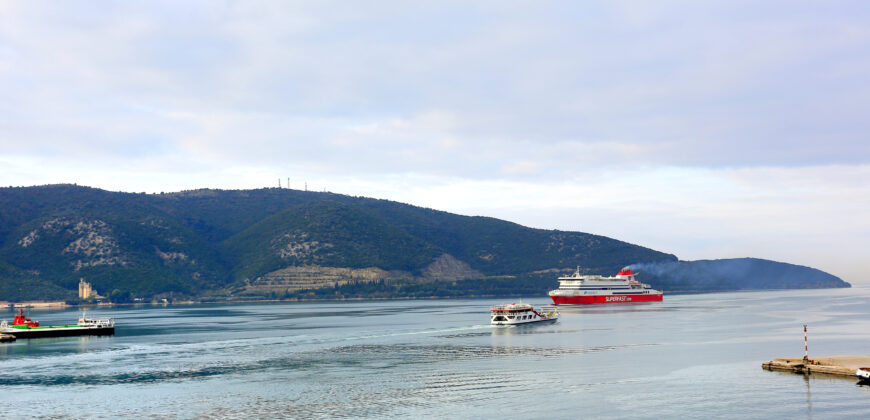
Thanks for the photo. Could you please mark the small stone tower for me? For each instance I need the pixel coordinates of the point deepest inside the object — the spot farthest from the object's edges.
(85, 290)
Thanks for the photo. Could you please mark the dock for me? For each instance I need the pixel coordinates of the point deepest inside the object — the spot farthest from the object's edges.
(831, 365)
(6, 337)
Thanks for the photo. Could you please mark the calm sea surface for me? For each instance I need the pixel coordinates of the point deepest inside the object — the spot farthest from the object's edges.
(691, 356)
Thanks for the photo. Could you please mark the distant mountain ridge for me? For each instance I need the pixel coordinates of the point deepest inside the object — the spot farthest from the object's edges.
(735, 274)
(276, 243)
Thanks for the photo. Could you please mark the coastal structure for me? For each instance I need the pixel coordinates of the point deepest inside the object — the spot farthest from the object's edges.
(86, 291)
(36, 304)
(831, 365)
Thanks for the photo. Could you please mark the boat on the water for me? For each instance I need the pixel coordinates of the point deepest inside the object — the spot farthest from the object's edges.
(578, 289)
(24, 327)
(863, 375)
(521, 313)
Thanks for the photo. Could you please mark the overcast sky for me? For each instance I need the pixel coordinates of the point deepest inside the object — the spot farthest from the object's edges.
(704, 129)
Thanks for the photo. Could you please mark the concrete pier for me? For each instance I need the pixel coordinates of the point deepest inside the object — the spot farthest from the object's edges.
(832, 365)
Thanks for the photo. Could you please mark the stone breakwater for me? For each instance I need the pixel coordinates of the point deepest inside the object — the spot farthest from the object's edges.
(832, 365)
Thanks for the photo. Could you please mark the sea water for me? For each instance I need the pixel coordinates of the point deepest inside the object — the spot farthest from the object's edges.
(691, 356)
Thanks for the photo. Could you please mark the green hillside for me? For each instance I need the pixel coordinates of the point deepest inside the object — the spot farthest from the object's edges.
(735, 274)
(330, 234)
(276, 243)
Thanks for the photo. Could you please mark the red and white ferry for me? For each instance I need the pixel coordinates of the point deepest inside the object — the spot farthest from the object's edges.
(578, 289)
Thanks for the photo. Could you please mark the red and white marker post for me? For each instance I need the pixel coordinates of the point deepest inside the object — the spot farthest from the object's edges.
(806, 349)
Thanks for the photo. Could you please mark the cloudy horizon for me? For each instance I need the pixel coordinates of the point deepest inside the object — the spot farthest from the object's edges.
(707, 130)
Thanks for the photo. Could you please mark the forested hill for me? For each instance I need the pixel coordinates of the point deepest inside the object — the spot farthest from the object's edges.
(276, 243)
(735, 274)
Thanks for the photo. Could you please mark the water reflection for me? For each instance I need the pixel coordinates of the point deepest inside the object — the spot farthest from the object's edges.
(532, 328)
(809, 397)
(676, 359)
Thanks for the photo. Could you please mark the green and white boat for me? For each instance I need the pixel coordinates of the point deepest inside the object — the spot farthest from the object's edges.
(24, 327)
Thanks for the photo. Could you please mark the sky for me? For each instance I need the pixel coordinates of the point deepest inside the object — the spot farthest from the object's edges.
(712, 129)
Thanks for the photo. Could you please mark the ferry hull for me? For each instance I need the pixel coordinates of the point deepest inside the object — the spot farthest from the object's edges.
(590, 299)
(525, 322)
(58, 332)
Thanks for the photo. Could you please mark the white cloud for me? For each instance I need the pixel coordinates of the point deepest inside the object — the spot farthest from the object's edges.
(666, 122)
(809, 216)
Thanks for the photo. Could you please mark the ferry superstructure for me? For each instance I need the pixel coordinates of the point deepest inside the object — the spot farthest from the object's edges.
(578, 289)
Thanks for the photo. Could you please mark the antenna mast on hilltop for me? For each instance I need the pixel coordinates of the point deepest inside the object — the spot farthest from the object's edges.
(279, 182)
(288, 182)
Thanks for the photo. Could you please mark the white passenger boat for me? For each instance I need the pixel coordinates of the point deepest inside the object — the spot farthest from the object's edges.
(521, 313)
(863, 375)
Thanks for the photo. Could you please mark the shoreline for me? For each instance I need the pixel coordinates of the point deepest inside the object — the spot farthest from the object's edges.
(39, 305)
